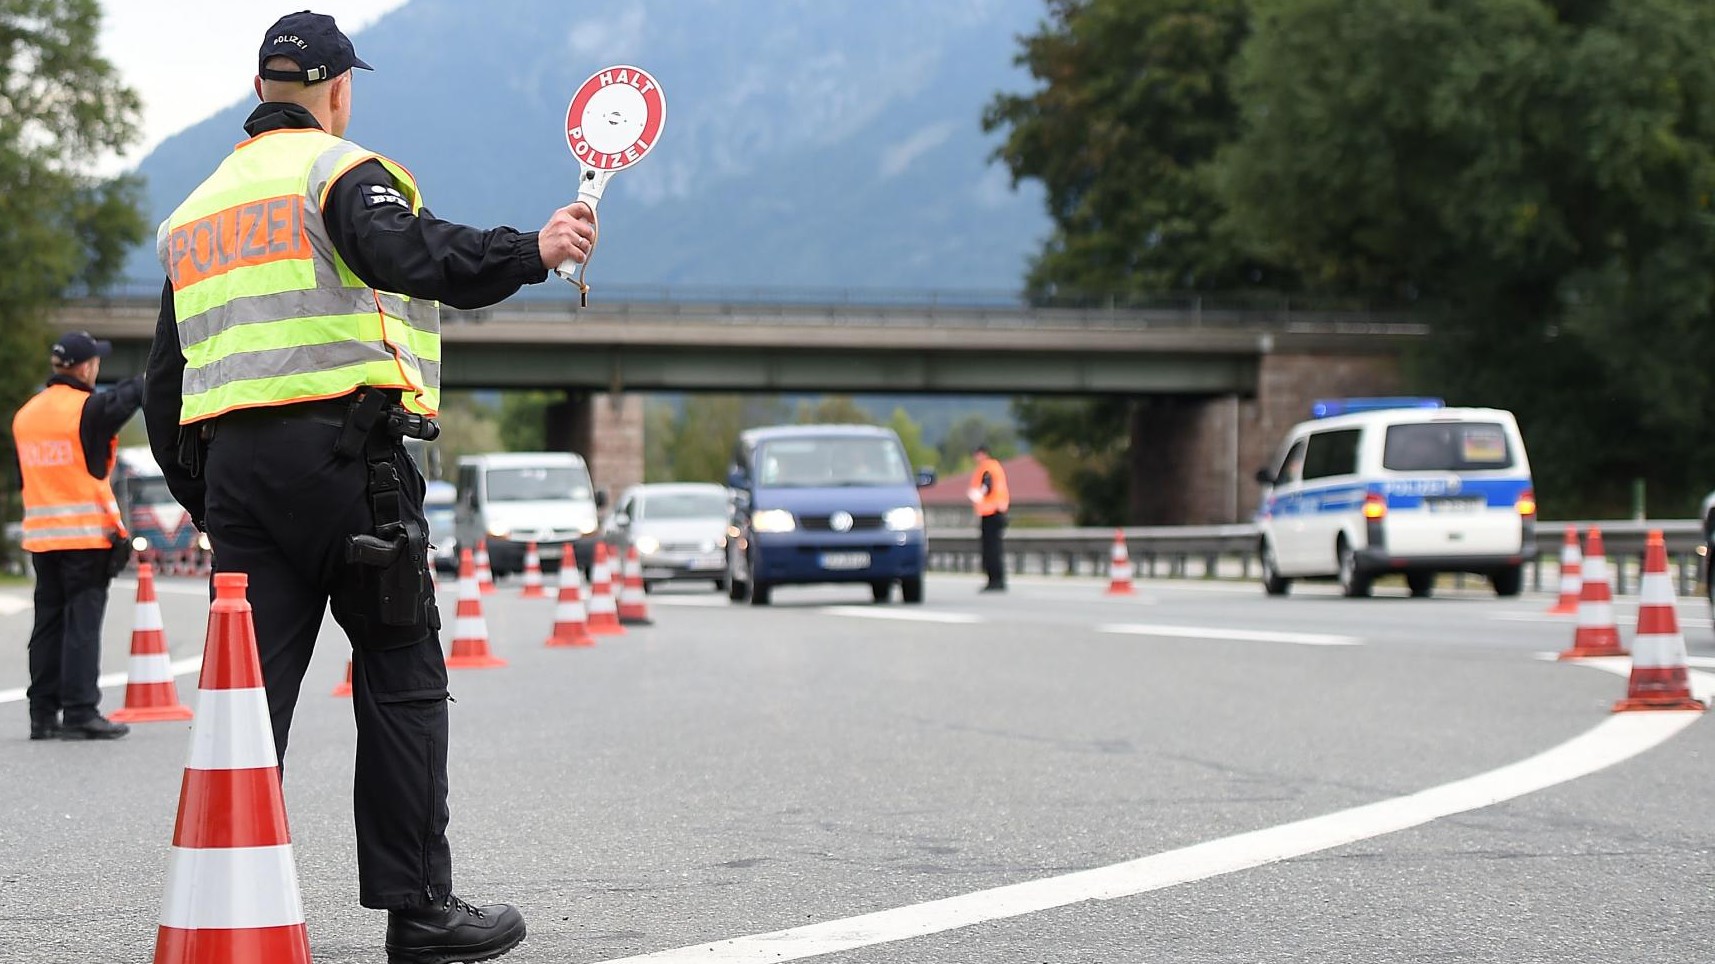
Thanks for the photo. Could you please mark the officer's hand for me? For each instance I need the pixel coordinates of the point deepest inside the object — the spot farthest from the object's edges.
(569, 234)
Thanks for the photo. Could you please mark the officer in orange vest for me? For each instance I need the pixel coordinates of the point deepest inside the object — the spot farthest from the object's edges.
(988, 494)
(66, 439)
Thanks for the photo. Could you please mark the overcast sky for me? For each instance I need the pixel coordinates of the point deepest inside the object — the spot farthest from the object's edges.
(189, 58)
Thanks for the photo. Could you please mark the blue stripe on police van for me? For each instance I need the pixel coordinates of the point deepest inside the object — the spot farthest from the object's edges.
(1411, 493)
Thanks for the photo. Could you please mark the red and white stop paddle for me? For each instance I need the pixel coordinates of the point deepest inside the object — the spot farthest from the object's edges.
(614, 121)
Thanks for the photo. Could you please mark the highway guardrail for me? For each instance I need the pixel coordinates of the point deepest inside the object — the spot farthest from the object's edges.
(1230, 551)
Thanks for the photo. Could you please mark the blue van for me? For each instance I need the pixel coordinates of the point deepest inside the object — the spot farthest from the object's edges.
(824, 504)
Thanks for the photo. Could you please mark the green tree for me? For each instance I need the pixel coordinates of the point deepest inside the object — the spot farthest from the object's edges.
(1134, 99)
(62, 107)
(522, 419)
(971, 430)
(468, 427)
(696, 445)
(658, 436)
(833, 410)
(1085, 446)
(1543, 172)
(921, 453)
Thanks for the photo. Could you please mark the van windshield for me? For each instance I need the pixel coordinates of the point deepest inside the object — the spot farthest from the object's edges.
(538, 483)
(1446, 447)
(145, 490)
(832, 461)
(686, 505)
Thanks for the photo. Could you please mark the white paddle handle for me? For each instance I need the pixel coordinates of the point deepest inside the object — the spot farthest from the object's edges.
(590, 185)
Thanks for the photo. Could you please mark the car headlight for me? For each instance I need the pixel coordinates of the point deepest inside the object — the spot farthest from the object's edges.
(499, 532)
(647, 544)
(903, 519)
(203, 543)
(773, 520)
(139, 544)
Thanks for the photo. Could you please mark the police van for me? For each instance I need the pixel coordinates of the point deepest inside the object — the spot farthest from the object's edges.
(1370, 487)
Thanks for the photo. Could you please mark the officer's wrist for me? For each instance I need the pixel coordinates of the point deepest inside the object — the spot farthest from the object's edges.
(529, 255)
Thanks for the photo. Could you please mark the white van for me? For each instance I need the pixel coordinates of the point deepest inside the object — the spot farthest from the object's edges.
(512, 499)
(1370, 487)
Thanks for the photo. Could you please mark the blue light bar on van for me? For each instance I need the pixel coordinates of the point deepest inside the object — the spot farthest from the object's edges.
(1330, 407)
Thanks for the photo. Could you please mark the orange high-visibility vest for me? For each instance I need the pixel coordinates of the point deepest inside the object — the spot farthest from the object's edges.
(64, 506)
(997, 499)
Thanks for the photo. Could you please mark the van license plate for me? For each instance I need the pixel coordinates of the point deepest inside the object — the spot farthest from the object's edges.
(1464, 504)
(845, 560)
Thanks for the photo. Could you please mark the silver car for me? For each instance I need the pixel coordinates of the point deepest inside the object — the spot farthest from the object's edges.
(679, 529)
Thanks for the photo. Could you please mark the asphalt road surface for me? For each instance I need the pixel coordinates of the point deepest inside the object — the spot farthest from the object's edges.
(1051, 775)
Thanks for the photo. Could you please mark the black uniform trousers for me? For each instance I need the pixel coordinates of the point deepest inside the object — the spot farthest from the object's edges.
(65, 645)
(280, 505)
(994, 564)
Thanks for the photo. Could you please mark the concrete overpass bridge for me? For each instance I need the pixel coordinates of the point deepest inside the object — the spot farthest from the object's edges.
(1220, 383)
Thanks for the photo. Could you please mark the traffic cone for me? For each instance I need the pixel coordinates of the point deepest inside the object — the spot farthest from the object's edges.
(232, 886)
(532, 574)
(570, 620)
(1119, 568)
(344, 689)
(470, 630)
(604, 615)
(151, 696)
(633, 598)
(1659, 674)
(1571, 578)
(1596, 634)
(484, 575)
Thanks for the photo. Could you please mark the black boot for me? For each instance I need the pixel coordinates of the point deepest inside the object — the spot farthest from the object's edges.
(44, 726)
(450, 931)
(97, 727)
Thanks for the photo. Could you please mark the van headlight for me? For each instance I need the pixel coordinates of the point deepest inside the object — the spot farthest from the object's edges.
(647, 544)
(903, 519)
(499, 532)
(139, 544)
(773, 520)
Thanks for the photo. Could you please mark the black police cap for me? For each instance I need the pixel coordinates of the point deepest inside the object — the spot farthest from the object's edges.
(77, 347)
(313, 42)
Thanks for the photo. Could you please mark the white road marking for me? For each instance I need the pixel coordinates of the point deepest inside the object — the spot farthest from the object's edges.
(1614, 740)
(13, 605)
(697, 602)
(180, 668)
(904, 615)
(1242, 635)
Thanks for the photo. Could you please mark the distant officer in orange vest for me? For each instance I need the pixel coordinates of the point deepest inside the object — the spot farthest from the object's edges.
(66, 438)
(988, 494)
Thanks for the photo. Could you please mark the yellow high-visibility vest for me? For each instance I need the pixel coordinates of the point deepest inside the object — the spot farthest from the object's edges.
(268, 312)
(64, 506)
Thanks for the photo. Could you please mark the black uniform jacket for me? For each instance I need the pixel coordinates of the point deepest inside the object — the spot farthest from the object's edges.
(386, 245)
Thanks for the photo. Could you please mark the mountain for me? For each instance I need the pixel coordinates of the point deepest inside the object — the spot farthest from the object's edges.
(830, 144)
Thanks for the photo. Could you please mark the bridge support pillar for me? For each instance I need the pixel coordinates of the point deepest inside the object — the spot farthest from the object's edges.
(1194, 458)
(606, 429)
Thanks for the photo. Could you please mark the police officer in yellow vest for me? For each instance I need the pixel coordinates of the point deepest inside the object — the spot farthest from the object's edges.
(989, 496)
(66, 438)
(298, 343)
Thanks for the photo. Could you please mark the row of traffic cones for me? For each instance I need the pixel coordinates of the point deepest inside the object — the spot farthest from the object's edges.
(1660, 677)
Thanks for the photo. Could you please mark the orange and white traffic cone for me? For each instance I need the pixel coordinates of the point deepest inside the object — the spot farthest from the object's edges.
(232, 885)
(604, 615)
(633, 598)
(484, 575)
(1596, 634)
(470, 630)
(532, 574)
(151, 696)
(1571, 575)
(1660, 678)
(344, 688)
(1119, 568)
(571, 622)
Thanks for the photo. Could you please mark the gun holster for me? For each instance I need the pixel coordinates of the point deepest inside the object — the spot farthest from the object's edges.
(392, 561)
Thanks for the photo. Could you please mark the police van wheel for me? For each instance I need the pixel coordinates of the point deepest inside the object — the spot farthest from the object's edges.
(1273, 582)
(1354, 583)
(1508, 581)
(1421, 584)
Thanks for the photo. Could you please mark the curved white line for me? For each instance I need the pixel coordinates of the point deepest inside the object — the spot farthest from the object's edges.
(1616, 739)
